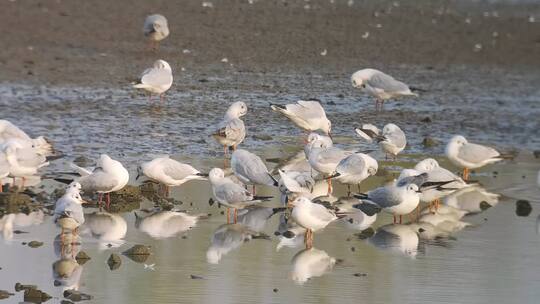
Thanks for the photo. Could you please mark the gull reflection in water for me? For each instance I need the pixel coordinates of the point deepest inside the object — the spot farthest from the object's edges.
(309, 263)
(165, 224)
(226, 238)
(472, 199)
(356, 219)
(107, 228)
(289, 233)
(397, 238)
(67, 273)
(10, 221)
(256, 217)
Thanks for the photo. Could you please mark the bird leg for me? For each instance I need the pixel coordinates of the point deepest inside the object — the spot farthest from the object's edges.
(400, 219)
(348, 190)
(395, 220)
(465, 174)
(329, 181)
(23, 181)
(234, 147)
(437, 204)
(253, 192)
(228, 213)
(235, 215)
(100, 199)
(359, 191)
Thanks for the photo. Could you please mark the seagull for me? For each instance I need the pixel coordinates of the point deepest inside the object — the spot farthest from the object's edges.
(250, 169)
(311, 216)
(392, 140)
(109, 176)
(306, 114)
(380, 85)
(295, 183)
(68, 212)
(231, 194)
(169, 172)
(314, 137)
(468, 155)
(156, 80)
(325, 160)
(436, 173)
(22, 162)
(165, 224)
(155, 29)
(355, 217)
(9, 131)
(231, 131)
(355, 168)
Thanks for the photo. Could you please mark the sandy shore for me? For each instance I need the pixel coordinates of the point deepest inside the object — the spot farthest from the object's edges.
(100, 43)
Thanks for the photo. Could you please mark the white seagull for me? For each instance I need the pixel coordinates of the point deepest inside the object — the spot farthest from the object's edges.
(311, 216)
(355, 168)
(392, 139)
(325, 160)
(109, 176)
(156, 80)
(466, 155)
(231, 131)
(155, 29)
(9, 131)
(231, 194)
(380, 85)
(21, 162)
(68, 212)
(251, 170)
(306, 114)
(169, 172)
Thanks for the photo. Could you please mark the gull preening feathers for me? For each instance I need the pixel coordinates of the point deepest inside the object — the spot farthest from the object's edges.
(250, 169)
(155, 29)
(466, 155)
(156, 80)
(231, 131)
(10, 132)
(306, 114)
(355, 168)
(380, 85)
(392, 139)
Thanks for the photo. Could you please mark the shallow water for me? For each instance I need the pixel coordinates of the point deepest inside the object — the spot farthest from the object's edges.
(492, 261)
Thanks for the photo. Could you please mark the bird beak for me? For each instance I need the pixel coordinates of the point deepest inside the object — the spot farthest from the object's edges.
(84, 202)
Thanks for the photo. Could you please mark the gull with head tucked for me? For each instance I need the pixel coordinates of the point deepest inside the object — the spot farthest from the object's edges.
(306, 114)
(380, 85)
(155, 29)
(156, 80)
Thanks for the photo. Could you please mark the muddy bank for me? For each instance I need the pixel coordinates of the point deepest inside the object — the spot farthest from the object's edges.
(101, 43)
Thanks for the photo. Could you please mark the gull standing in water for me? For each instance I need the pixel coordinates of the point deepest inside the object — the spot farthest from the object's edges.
(251, 170)
(156, 80)
(22, 162)
(380, 85)
(325, 160)
(68, 213)
(306, 114)
(311, 216)
(155, 29)
(109, 176)
(231, 194)
(169, 172)
(392, 140)
(468, 155)
(355, 168)
(231, 131)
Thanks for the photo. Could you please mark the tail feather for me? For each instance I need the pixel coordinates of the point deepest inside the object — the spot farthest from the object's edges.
(277, 107)
(368, 209)
(63, 180)
(276, 183)
(417, 89)
(262, 198)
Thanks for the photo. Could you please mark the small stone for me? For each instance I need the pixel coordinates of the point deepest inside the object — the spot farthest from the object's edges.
(275, 290)
(429, 142)
(331, 103)
(82, 257)
(137, 250)
(203, 80)
(35, 244)
(35, 295)
(4, 294)
(19, 287)
(426, 119)
(523, 208)
(353, 249)
(114, 261)
(360, 274)
(76, 296)
(340, 95)
(262, 137)
(196, 277)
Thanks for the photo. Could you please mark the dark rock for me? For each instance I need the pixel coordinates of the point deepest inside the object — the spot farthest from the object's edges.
(353, 249)
(196, 277)
(35, 295)
(340, 95)
(331, 103)
(4, 294)
(66, 302)
(19, 232)
(35, 244)
(126, 200)
(429, 142)
(82, 257)
(426, 119)
(360, 274)
(76, 296)
(262, 137)
(523, 208)
(366, 234)
(114, 261)
(275, 290)
(137, 250)
(19, 287)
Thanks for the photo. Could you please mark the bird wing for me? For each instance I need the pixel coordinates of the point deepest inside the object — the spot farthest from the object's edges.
(331, 156)
(475, 153)
(232, 193)
(9, 130)
(386, 83)
(252, 167)
(307, 110)
(396, 137)
(321, 213)
(156, 77)
(385, 197)
(98, 181)
(353, 164)
(177, 170)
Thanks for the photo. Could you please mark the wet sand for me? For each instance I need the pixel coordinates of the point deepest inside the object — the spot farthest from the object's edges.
(101, 43)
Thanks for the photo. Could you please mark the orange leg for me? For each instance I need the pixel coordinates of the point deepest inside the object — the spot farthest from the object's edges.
(228, 214)
(395, 220)
(401, 219)
(235, 215)
(465, 174)
(329, 181)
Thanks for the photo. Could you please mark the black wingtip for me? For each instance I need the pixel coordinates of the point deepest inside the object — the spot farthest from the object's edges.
(278, 210)
(360, 196)
(368, 209)
(416, 89)
(63, 180)
(54, 157)
(263, 198)
(202, 174)
(276, 183)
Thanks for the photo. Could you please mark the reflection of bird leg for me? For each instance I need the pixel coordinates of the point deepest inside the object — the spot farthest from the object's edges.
(400, 219)
(437, 204)
(161, 98)
(228, 213)
(359, 191)
(253, 187)
(395, 220)
(348, 190)
(108, 201)
(100, 199)
(234, 147)
(62, 235)
(23, 181)
(235, 215)
(465, 174)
